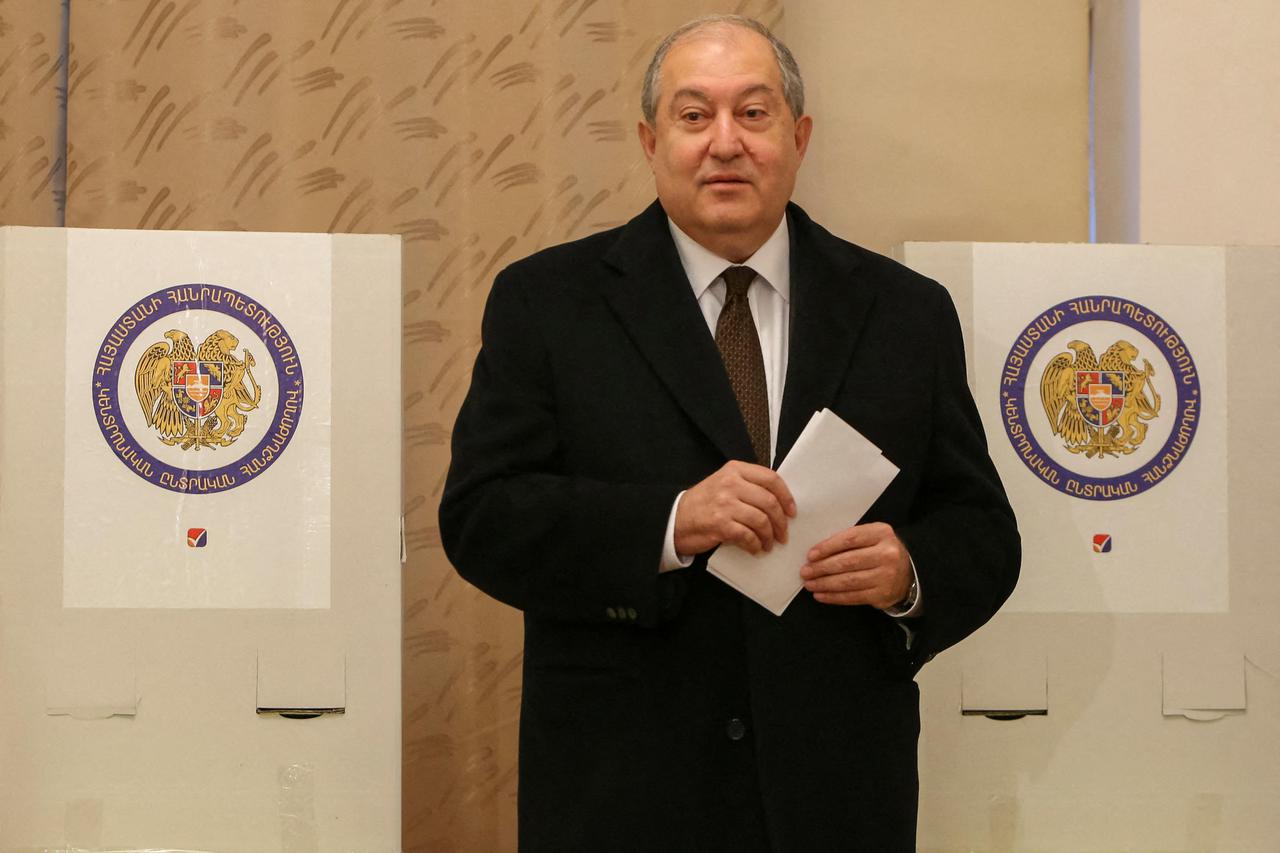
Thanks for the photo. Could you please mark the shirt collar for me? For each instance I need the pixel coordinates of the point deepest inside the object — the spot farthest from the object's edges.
(772, 261)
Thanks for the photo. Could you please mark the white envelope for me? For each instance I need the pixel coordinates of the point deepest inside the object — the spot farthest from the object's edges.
(835, 474)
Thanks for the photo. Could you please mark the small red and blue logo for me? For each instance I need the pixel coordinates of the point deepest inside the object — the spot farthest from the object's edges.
(1102, 543)
(198, 537)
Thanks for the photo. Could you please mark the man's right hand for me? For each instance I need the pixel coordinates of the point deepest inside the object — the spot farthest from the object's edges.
(741, 504)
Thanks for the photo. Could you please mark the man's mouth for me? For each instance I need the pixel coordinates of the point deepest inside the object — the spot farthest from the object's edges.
(721, 179)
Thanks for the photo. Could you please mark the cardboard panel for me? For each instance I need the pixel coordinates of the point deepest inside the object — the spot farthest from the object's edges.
(1015, 683)
(125, 726)
(1107, 768)
(1203, 681)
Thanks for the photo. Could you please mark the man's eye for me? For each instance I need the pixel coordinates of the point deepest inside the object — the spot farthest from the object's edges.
(691, 116)
(754, 113)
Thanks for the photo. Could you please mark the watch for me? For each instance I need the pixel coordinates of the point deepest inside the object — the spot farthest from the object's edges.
(907, 603)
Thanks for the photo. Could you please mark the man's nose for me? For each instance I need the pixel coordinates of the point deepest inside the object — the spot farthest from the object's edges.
(726, 138)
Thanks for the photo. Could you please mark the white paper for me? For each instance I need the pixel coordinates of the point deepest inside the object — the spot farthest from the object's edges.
(835, 474)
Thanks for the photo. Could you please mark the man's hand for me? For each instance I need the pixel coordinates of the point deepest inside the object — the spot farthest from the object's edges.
(741, 504)
(865, 564)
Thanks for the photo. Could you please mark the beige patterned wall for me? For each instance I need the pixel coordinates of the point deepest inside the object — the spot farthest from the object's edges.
(31, 75)
(480, 131)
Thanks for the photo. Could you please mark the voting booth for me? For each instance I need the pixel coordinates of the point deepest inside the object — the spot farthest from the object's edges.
(1127, 695)
(199, 541)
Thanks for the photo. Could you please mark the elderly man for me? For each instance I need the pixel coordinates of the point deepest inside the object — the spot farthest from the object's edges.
(633, 396)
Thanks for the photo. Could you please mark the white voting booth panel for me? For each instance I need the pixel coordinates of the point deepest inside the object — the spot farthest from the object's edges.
(1127, 394)
(199, 541)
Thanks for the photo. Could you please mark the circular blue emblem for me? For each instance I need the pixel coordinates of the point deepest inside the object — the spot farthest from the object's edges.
(183, 409)
(1085, 408)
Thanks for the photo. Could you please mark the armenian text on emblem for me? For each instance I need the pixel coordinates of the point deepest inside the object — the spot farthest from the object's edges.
(1099, 407)
(197, 398)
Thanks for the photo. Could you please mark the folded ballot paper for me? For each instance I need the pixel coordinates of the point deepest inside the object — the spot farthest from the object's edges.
(835, 474)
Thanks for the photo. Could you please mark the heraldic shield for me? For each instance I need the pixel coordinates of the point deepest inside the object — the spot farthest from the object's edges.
(1100, 396)
(197, 387)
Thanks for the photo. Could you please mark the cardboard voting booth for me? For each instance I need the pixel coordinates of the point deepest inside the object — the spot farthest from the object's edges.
(1126, 696)
(1101, 376)
(199, 541)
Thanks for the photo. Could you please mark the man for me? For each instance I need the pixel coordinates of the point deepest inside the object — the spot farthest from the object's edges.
(629, 405)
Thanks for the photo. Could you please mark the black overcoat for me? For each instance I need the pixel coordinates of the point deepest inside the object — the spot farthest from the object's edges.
(666, 712)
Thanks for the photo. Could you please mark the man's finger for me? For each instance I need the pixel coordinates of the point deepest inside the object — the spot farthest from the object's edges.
(845, 561)
(772, 481)
(845, 582)
(759, 522)
(837, 543)
(745, 538)
(767, 502)
(864, 559)
(853, 598)
(849, 539)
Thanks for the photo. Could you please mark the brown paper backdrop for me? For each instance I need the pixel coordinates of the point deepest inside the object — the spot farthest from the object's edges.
(32, 67)
(480, 132)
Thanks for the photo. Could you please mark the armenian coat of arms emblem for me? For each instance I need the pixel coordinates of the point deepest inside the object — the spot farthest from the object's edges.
(159, 399)
(1103, 434)
(196, 398)
(1099, 407)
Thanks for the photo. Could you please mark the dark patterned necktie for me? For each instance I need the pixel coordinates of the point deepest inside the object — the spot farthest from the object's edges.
(739, 346)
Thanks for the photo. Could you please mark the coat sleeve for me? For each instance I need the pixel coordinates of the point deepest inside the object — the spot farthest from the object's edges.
(962, 533)
(514, 523)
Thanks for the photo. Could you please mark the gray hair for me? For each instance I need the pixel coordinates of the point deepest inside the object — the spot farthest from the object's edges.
(792, 83)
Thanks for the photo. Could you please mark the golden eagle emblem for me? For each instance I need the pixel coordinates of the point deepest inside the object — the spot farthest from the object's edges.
(1099, 407)
(197, 398)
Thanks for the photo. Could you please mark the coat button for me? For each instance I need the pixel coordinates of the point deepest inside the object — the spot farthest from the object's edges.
(736, 729)
(611, 613)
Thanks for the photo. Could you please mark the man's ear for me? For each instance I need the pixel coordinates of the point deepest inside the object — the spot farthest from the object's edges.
(648, 140)
(804, 127)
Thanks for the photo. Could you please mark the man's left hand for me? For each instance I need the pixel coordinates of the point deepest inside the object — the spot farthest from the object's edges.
(864, 564)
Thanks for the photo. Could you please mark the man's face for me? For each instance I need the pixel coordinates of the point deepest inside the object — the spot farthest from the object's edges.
(724, 147)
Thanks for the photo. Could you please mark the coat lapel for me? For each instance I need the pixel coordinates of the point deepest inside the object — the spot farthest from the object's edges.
(653, 300)
(828, 312)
